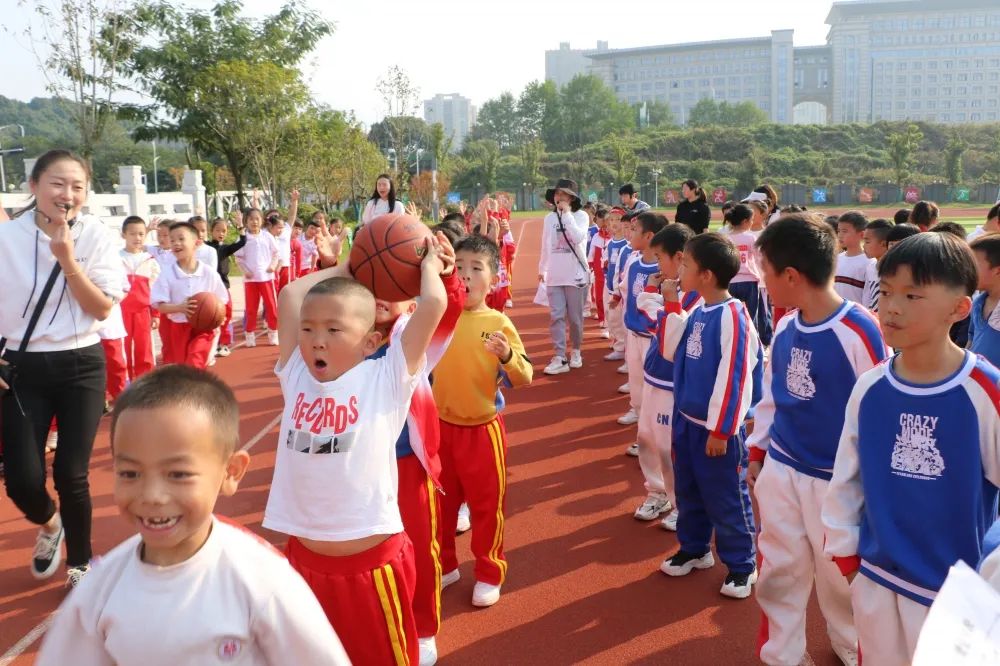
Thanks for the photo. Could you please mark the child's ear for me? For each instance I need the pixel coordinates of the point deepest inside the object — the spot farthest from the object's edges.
(372, 342)
(963, 308)
(236, 468)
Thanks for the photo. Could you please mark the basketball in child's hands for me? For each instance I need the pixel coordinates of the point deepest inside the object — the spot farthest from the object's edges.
(209, 312)
(386, 256)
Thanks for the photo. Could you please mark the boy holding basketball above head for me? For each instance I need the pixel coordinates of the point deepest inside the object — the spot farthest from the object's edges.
(914, 485)
(173, 294)
(819, 352)
(259, 260)
(334, 490)
(217, 592)
(473, 439)
(142, 271)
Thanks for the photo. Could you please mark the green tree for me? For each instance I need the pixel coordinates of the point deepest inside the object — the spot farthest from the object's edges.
(401, 97)
(532, 153)
(750, 170)
(183, 43)
(591, 111)
(538, 112)
(484, 159)
(704, 114)
(901, 146)
(707, 112)
(498, 120)
(624, 162)
(953, 158)
(657, 114)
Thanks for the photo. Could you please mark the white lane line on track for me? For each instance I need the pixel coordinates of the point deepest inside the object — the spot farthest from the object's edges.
(29, 638)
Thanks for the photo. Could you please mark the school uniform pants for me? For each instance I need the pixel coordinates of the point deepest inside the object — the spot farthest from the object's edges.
(566, 304)
(888, 623)
(712, 495)
(474, 468)
(138, 341)
(791, 544)
(164, 329)
(188, 346)
(655, 448)
(368, 598)
(755, 299)
(67, 385)
(636, 347)
(421, 512)
(598, 291)
(116, 369)
(226, 333)
(255, 293)
(282, 277)
(497, 299)
(616, 322)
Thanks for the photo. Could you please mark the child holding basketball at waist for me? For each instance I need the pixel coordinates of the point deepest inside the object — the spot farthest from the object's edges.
(473, 440)
(334, 490)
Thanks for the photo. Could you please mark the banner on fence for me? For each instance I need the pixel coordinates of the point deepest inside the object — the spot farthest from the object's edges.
(911, 194)
(866, 195)
(719, 195)
(962, 194)
(671, 197)
(819, 195)
(453, 197)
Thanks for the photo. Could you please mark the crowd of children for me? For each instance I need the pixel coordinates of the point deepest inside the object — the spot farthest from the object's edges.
(819, 364)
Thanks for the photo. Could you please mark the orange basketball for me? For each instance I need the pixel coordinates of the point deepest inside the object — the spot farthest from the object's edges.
(386, 256)
(209, 312)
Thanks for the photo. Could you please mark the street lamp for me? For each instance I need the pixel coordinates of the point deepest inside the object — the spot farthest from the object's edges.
(156, 174)
(3, 178)
(419, 151)
(656, 187)
(524, 195)
(478, 185)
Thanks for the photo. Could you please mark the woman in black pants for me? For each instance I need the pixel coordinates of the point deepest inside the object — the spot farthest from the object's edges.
(59, 365)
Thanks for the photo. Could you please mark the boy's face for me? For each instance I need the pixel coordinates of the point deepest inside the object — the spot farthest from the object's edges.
(387, 312)
(202, 227)
(778, 287)
(849, 237)
(627, 199)
(135, 237)
(169, 470)
(311, 231)
(639, 239)
(689, 274)
(336, 332)
(874, 247)
(913, 315)
(615, 223)
(602, 223)
(337, 227)
(182, 243)
(989, 276)
(219, 230)
(668, 265)
(475, 271)
(296, 232)
(163, 236)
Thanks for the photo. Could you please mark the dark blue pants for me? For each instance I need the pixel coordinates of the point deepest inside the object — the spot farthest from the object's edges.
(757, 308)
(712, 494)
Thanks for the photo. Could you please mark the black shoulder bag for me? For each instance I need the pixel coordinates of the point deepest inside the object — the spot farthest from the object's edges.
(9, 372)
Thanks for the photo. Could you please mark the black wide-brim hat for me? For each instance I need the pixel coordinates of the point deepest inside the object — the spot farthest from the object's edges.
(569, 187)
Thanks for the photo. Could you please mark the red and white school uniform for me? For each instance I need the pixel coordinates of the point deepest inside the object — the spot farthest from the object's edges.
(335, 479)
(187, 346)
(255, 258)
(234, 601)
(165, 258)
(596, 261)
(284, 273)
(498, 296)
(308, 256)
(113, 334)
(142, 270)
(293, 270)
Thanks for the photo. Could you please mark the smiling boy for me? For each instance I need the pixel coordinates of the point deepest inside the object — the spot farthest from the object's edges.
(216, 591)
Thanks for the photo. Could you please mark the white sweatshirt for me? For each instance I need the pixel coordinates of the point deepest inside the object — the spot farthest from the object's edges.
(558, 263)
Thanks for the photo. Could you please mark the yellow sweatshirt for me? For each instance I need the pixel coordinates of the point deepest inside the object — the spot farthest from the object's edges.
(466, 377)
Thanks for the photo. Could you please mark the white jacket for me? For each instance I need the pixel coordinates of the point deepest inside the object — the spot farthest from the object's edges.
(558, 263)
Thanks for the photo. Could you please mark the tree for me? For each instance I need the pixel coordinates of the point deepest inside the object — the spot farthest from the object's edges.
(624, 161)
(749, 173)
(591, 111)
(498, 120)
(703, 114)
(531, 160)
(422, 188)
(953, 158)
(88, 41)
(657, 114)
(182, 43)
(707, 112)
(484, 158)
(400, 97)
(901, 146)
(538, 111)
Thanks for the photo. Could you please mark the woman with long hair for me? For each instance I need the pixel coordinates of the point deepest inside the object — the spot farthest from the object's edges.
(62, 274)
(382, 200)
(693, 210)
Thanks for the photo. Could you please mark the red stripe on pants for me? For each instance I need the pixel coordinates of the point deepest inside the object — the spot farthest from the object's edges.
(115, 368)
(368, 598)
(226, 336)
(138, 341)
(598, 290)
(473, 466)
(421, 511)
(255, 293)
(188, 346)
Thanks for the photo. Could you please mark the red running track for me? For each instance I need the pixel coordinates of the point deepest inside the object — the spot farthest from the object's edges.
(584, 585)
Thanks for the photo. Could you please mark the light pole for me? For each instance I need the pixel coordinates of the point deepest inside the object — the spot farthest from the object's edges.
(524, 196)
(478, 185)
(156, 173)
(3, 177)
(656, 187)
(419, 151)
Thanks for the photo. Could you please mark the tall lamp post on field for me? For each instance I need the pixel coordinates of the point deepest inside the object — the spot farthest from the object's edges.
(656, 187)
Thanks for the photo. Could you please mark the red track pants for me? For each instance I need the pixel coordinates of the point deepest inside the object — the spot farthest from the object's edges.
(421, 511)
(188, 346)
(474, 467)
(255, 293)
(598, 288)
(226, 336)
(115, 368)
(138, 342)
(282, 278)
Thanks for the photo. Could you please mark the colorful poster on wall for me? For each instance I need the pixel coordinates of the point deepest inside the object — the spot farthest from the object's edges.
(911, 194)
(719, 196)
(592, 196)
(671, 197)
(962, 194)
(453, 197)
(866, 195)
(819, 195)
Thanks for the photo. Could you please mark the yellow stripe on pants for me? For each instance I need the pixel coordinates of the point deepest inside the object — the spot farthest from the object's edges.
(496, 439)
(435, 548)
(385, 583)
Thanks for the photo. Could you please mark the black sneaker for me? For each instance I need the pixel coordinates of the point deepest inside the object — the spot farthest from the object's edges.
(738, 585)
(682, 563)
(48, 553)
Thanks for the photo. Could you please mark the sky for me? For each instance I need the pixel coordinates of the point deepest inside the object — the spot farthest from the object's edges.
(477, 48)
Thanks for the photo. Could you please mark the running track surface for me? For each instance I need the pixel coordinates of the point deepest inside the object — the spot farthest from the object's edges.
(583, 586)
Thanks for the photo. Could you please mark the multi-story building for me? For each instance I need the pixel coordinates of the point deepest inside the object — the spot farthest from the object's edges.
(456, 113)
(934, 60)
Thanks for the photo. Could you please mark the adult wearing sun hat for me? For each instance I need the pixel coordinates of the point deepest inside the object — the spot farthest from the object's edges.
(563, 270)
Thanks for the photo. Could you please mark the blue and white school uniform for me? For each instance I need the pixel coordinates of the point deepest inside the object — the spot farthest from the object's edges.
(614, 317)
(746, 284)
(914, 489)
(637, 323)
(984, 329)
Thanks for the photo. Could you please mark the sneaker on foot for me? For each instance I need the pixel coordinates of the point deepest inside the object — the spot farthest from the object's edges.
(628, 418)
(484, 594)
(669, 521)
(633, 450)
(52, 441)
(428, 651)
(848, 656)
(681, 563)
(624, 388)
(48, 553)
(557, 366)
(224, 351)
(75, 574)
(272, 338)
(251, 340)
(622, 369)
(508, 303)
(450, 578)
(464, 523)
(653, 507)
(738, 585)
(575, 359)
(614, 356)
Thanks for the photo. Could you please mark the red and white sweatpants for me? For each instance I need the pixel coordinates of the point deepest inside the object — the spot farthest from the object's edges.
(116, 369)
(226, 334)
(421, 511)
(188, 346)
(138, 341)
(255, 293)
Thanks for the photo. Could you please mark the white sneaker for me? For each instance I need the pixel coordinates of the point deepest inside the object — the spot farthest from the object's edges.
(633, 450)
(847, 656)
(428, 651)
(738, 586)
(624, 388)
(653, 507)
(224, 351)
(464, 523)
(450, 578)
(681, 563)
(575, 359)
(628, 418)
(586, 313)
(48, 553)
(75, 574)
(251, 340)
(272, 338)
(509, 303)
(484, 594)
(52, 441)
(606, 334)
(614, 356)
(622, 369)
(669, 522)
(557, 366)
